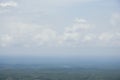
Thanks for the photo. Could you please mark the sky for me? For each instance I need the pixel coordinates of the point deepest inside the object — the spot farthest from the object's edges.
(85, 29)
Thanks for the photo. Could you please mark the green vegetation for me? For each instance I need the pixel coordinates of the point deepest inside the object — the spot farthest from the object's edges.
(59, 74)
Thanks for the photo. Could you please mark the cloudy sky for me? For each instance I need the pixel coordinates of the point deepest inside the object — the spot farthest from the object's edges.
(60, 27)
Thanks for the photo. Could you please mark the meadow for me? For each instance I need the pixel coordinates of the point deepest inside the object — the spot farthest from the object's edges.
(26, 73)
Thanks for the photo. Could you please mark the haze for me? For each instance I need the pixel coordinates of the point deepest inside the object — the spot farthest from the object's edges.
(77, 32)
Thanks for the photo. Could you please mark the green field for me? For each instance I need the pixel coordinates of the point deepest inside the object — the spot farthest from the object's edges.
(59, 74)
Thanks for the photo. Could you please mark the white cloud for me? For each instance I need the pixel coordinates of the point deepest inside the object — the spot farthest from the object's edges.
(88, 38)
(40, 35)
(65, 2)
(118, 34)
(8, 4)
(115, 19)
(46, 36)
(105, 37)
(116, 39)
(80, 33)
(28, 34)
(80, 20)
(78, 26)
(73, 36)
(108, 39)
(5, 40)
(76, 32)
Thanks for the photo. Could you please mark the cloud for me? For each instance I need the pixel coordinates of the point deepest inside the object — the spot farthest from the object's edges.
(80, 33)
(69, 38)
(66, 2)
(46, 36)
(105, 36)
(5, 40)
(79, 20)
(40, 35)
(108, 39)
(76, 33)
(78, 26)
(116, 39)
(88, 38)
(115, 19)
(8, 4)
(27, 34)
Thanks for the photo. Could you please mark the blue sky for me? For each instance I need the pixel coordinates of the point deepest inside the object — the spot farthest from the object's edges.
(74, 28)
